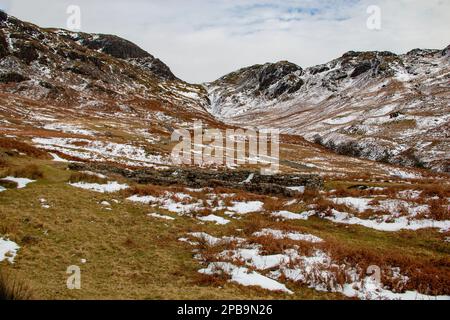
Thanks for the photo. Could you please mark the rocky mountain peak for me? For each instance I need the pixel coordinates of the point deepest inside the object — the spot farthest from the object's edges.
(377, 62)
(82, 54)
(377, 104)
(112, 45)
(76, 69)
(3, 16)
(282, 75)
(122, 49)
(268, 81)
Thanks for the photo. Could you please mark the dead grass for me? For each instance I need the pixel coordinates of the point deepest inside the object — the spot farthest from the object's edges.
(12, 144)
(206, 280)
(31, 171)
(439, 209)
(436, 190)
(425, 275)
(151, 190)
(243, 196)
(309, 195)
(254, 224)
(13, 288)
(273, 204)
(119, 246)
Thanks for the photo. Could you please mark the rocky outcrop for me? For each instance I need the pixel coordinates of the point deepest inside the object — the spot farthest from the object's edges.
(113, 45)
(446, 51)
(271, 74)
(270, 81)
(79, 66)
(154, 66)
(4, 50)
(26, 52)
(12, 77)
(126, 50)
(361, 68)
(3, 16)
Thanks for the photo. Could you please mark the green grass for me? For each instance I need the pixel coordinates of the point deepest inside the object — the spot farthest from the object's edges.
(129, 255)
(132, 256)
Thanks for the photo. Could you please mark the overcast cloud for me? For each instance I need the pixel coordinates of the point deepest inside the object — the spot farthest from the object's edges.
(202, 40)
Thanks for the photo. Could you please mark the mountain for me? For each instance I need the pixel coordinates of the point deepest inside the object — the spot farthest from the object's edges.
(101, 88)
(102, 72)
(87, 178)
(376, 105)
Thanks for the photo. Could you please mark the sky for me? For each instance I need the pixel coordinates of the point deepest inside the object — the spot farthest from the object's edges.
(202, 40)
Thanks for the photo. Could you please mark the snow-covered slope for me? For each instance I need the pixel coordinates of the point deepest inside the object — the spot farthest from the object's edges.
(376, 105)
(91, 97)
(100, 72)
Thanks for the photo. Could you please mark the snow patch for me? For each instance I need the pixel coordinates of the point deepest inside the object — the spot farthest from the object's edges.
(8, 250)
(214, 218)
(68, 128)
(386, 223)
(160, 216)
(300, 189)
(57, 158)
(21, 182)
(102, 188)
(246, 207)
(293, 216)
(244, 277)
(296, 236)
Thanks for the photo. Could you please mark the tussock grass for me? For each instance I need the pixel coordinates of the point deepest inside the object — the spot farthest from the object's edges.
(13, 288)
(12, 144)
(425, 275)
(30, 171)
(439, 209)
(273, 204)
(144, 190)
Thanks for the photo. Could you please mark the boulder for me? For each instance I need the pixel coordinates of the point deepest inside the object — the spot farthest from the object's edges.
(12, 77)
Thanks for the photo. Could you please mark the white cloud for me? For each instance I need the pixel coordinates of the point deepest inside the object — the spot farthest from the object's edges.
(202, 40)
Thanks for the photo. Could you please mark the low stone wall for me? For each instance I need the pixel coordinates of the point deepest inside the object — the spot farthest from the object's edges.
(198, 178)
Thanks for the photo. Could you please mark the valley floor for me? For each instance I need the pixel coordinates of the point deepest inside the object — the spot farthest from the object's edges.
(153, 242)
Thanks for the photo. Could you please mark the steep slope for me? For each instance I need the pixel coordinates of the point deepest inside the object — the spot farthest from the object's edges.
(376, 105)
(90, 96)
(74, 68)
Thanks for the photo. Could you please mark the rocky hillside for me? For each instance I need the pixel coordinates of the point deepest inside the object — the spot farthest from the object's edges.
(376, 105)
(88, 71)
(91, 97)
(122, 49)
